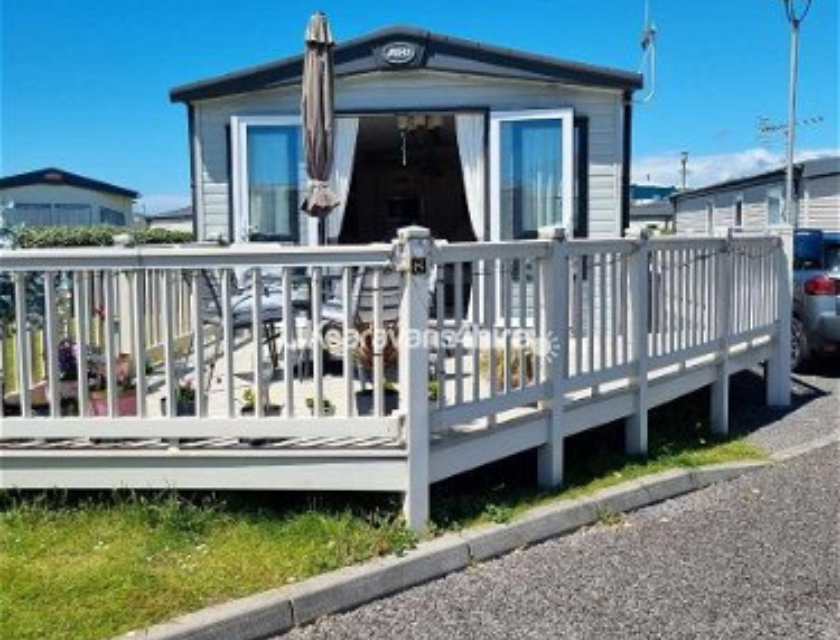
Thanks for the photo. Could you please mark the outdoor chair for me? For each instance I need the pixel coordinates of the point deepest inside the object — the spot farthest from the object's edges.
(362, 311)
(362, 302)
(242, 310)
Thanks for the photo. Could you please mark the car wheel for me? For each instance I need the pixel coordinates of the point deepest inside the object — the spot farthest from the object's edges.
(798, 344)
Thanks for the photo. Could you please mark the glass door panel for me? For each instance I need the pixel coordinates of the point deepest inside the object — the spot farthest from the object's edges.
(531, 172)
(273, 161)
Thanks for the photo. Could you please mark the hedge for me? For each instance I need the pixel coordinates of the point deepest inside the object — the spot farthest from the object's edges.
(98, 236)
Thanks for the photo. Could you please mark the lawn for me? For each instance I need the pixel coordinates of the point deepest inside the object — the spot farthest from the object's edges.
(86, 567)
(100, 565)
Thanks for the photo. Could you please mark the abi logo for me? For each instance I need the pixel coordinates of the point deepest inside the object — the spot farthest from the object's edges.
(399, 53)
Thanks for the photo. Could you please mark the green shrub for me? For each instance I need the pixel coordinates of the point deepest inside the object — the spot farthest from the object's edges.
(97, 236)
(160, 236)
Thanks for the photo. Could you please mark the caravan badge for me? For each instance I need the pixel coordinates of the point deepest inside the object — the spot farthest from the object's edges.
(399, 53)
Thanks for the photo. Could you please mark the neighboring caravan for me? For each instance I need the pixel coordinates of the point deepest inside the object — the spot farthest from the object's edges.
(651, 208)
(473, 141)
(181, 219)
(56, 197)
(757, 202)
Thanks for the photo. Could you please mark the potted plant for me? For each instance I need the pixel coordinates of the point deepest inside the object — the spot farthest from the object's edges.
(123, 366)
(522, 363)
(249, 401)
(69, 406)
(184, 398)
(391, 396)
(68, 368)
(327, 407)
(97, 381)
(433, 391)
(126, 396)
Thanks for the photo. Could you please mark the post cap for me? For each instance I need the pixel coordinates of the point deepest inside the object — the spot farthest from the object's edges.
(552, 232)
(413, 233)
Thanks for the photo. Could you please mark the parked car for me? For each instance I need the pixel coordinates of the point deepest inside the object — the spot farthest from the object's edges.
(815, 327)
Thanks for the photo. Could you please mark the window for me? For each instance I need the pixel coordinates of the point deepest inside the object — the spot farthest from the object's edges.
(581, 216)
(75, 215)
(774, 207)
(831, 256)
(112, 217)
(46, 214)
(739, 213)
(267, 177)
(30, 214)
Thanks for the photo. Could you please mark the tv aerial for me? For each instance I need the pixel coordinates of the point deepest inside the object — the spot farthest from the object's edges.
(771, 134)
(648, 62)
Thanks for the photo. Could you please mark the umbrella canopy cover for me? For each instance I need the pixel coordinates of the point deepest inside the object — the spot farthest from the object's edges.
(318, 116)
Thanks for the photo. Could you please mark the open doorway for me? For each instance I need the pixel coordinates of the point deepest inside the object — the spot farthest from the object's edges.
(406, 171)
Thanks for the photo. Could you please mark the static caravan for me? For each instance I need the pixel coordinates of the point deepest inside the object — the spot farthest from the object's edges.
(755, 203)
(52, 196)
(472, 141)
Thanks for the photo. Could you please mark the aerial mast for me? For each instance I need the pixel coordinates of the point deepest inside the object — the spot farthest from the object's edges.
(795, 11)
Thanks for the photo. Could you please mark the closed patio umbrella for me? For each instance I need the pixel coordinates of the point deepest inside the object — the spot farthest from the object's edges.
(318, 117)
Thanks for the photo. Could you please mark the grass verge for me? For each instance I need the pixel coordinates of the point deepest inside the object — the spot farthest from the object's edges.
(92, 567)
(86, 567)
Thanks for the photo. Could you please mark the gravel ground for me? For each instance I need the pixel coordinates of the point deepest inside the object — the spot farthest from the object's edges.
(755, 558)
(815, 413)
(758, 557)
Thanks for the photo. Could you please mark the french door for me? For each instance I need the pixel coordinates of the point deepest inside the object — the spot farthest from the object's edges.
(531, 172)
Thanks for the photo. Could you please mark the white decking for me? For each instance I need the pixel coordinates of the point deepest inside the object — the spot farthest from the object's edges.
(632, 324)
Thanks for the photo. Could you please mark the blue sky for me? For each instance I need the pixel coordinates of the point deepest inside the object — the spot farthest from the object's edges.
(85, 82)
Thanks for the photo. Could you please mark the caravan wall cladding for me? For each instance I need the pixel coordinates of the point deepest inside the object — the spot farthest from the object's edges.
(418, 91)
(761, 206)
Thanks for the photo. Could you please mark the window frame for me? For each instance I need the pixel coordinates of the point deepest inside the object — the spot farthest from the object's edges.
(738, 212)
(710, 217)
(567, 118)
(105, 211)
(774, 194)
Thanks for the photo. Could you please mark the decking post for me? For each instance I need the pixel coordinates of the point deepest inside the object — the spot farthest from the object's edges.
(553, 350)
(778, 366)
(414, 257)
(636, 425)
(719, 397)
(124, 315)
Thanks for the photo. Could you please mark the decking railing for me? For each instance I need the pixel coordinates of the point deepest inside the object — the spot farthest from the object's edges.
(491, 349)
(163, 286)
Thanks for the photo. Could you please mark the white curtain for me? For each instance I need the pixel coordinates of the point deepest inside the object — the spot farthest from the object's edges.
(541, 205)
(346, 132)
(469, 128)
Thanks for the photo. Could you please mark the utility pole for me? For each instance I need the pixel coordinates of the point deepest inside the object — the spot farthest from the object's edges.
(684, 171)
(795, 18)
